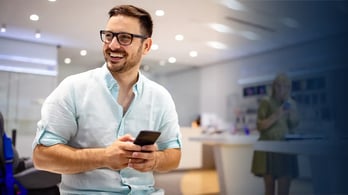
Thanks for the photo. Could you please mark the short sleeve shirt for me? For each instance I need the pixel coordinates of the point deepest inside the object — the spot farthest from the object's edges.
(83, 112)
(281, 127)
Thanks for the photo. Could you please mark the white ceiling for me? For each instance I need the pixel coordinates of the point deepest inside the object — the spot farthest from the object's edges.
(75, 25)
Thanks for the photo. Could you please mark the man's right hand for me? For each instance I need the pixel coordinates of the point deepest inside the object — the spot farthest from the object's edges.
(118, 154)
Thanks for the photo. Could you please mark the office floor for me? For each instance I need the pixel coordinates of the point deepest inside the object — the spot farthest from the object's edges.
(205, 182)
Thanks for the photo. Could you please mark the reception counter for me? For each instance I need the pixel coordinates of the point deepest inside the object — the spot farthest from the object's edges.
(233, 156)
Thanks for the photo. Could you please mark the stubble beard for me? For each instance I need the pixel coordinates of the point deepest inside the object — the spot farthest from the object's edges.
(130, 62)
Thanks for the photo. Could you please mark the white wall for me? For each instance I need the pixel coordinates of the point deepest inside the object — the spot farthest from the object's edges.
(185, 89)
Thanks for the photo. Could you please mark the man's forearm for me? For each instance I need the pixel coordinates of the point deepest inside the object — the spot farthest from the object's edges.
(64, 159)
(167, 160)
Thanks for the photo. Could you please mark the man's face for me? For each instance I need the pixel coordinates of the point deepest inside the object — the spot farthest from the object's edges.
(121, 58)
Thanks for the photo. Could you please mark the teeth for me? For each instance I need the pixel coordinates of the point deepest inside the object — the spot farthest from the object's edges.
(116, 55)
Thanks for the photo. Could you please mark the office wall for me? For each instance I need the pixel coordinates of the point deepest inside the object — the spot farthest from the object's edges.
(27, 74)
(221, 82)
(185, 88)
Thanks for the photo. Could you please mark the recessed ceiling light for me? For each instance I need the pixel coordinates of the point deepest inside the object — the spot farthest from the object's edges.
(37, 34)
(34, 17)
(146, 68)
(179, 37)
(250, 35)
(193, 53)
(217, 45)
(221, 28)
(52, 0)
(162, 63)
(154, 47)
(67, 60)
(159, 12)
(171, 60)
(233, 4)
(83, 52)
(3, 28)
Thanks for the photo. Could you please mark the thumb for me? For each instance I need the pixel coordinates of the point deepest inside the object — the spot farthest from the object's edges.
(126, 138)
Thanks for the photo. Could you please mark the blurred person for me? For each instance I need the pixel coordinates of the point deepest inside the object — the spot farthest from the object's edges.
(88, 123)
(277, 116)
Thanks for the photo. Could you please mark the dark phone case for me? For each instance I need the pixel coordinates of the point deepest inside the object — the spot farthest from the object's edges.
(286, 106)
(146, 137)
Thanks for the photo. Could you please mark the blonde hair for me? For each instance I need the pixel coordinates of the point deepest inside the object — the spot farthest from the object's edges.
(283, 80)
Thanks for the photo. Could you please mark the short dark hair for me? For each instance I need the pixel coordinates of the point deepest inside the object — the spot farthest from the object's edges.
(132, 11)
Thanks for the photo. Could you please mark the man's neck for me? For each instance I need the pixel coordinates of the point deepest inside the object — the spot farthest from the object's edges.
(126, 80)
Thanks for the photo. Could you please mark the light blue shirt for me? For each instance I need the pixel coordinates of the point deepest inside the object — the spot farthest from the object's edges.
(83, 112)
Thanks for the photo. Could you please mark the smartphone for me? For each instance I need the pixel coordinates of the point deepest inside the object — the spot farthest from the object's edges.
(146, 137)
(286, 106)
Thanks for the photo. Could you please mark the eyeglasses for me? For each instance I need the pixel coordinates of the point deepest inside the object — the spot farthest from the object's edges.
(123, 38)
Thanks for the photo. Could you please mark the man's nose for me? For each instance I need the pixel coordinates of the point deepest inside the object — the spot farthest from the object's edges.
(114, 44)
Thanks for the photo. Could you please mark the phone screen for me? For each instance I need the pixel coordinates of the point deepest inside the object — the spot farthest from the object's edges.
(146, 137)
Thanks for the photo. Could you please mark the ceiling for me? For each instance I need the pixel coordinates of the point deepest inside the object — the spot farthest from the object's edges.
(254, 26)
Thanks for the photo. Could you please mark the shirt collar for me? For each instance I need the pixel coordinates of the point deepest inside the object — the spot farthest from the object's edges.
(111, 82)
(109, 79)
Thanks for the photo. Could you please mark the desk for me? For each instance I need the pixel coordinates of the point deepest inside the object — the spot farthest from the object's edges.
(191, 156)
(328, 161)
(233, 156)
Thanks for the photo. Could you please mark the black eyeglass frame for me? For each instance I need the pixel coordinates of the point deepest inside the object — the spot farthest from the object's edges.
(114, 34)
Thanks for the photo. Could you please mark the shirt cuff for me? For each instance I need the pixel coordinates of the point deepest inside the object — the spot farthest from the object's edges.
(48, 138)
(170, 144)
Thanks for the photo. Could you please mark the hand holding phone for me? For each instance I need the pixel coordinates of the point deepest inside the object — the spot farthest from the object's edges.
(146, 137)
(286, 105)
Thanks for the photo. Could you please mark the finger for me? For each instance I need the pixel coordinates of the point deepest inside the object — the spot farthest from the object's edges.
(149, 148)
(143, 167)
(129, 146)
(126, 138)
(143, 155)
(136, 161)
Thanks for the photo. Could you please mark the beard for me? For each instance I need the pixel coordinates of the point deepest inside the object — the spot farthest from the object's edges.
(128, 62)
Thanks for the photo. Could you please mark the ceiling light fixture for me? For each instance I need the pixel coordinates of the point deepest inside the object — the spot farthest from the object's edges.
(67, 60)
(221, 28)
(37, 34)
(3, 28)
(34, 17)
(83, 52)
(250, 35)
(193, 53)
(217, 45)
(162, 63)
(179, 37)
(154, 47)
(51, 0)
(159, 12)
(146, 68)
(233, 4)
(172, 60)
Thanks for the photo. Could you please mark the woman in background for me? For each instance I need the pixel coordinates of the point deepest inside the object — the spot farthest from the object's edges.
(277, 116)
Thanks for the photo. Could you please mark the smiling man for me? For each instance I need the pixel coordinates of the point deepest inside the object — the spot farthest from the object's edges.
(88, 123)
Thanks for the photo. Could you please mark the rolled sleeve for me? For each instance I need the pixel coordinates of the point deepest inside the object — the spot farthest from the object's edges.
(175, 143)
(58, 119)
(48, 139)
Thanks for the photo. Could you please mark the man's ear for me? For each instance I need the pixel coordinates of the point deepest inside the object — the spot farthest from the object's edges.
(147, 46)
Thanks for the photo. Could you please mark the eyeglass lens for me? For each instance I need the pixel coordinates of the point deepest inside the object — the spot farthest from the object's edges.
(122, 38)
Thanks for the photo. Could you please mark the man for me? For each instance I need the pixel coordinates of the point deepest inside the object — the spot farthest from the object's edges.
(89, 121)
